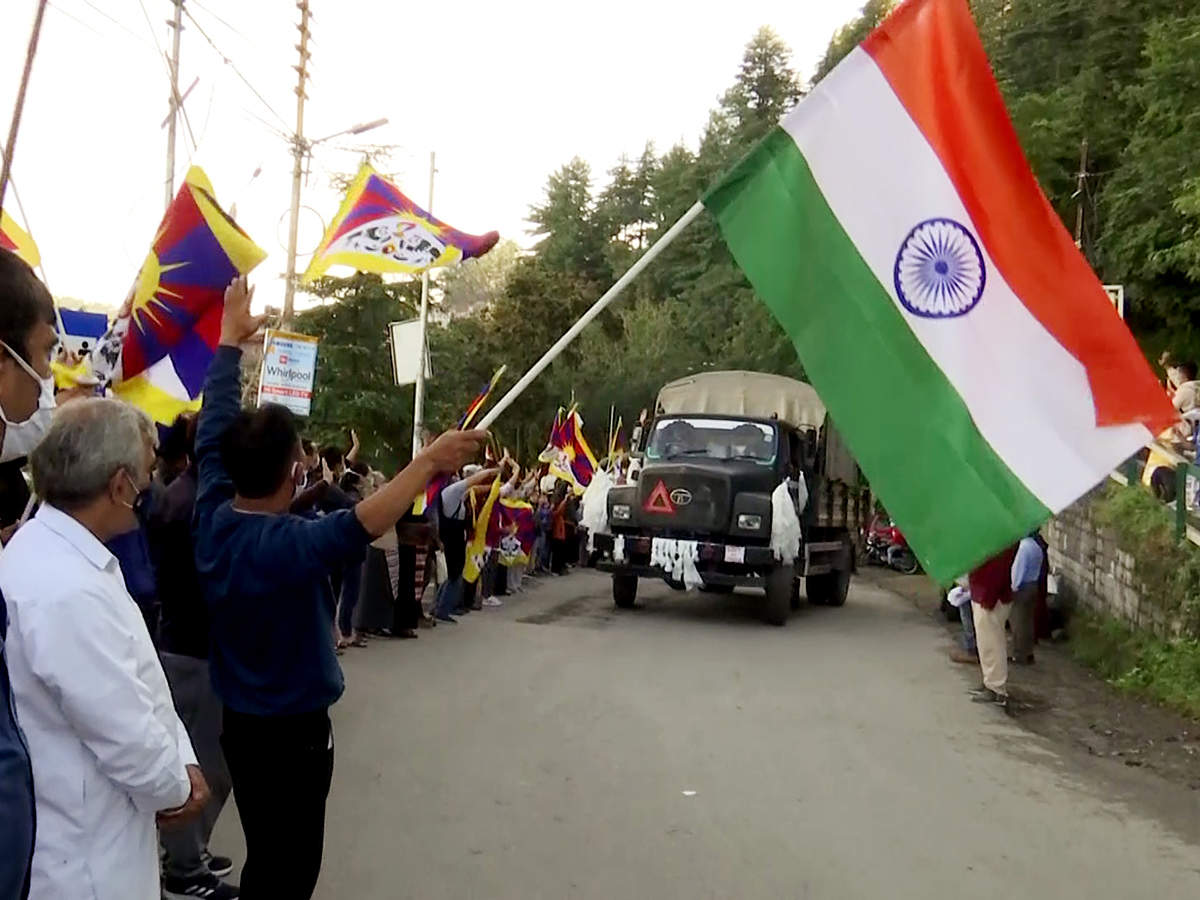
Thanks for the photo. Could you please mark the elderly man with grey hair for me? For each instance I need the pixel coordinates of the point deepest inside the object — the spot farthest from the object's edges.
(109, 752)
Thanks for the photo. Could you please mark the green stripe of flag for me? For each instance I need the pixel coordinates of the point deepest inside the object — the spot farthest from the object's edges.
(912, 434)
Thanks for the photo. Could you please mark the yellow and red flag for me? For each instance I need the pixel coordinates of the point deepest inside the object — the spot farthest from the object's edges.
(17, 240)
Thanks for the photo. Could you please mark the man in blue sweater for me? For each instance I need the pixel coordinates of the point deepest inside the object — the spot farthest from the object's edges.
(265, 575)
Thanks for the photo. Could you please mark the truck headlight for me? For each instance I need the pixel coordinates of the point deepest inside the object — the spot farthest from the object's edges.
(749, 522)
(622, 512)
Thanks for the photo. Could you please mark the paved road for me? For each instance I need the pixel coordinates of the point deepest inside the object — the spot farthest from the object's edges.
(559, 749)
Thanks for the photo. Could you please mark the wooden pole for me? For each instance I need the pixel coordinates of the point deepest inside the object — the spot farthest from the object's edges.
(299, 148)
(11, 144)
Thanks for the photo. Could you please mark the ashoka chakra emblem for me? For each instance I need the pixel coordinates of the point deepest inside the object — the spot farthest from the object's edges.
(939, 270)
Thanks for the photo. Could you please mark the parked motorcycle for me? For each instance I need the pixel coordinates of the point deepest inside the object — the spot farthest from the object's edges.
(886, 546)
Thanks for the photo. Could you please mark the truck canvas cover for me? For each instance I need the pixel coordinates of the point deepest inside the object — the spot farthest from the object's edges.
(754, 395)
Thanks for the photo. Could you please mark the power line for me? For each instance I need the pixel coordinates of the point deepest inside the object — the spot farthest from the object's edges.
(219, 19)
(125, 28)
(162, 55)
(229, 62)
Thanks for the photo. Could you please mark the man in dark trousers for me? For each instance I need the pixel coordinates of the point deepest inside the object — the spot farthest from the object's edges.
(189, 869)
(265, 574)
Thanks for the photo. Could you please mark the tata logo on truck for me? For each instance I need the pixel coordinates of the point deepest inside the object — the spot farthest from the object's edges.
(681, 496)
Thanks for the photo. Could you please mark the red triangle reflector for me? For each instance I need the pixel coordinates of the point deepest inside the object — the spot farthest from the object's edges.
(659, 500)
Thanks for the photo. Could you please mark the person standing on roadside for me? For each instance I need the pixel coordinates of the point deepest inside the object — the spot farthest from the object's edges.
(27, 340)
(109, 753)
(265, 574)
(991, 604)
(189, 869)
(1026, 577)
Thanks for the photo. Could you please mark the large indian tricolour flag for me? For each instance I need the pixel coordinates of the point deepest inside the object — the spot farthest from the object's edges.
(960, 340)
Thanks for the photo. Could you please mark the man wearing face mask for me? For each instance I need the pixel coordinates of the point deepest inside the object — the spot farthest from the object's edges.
(27, 340)
(109, 753)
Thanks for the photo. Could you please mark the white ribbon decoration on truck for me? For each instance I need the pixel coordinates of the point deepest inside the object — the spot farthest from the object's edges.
(785, 523)
(678, 560)
(593, 512)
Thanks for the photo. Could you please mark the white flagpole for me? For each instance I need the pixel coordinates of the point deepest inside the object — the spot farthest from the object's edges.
(596, 308)
(419, 395)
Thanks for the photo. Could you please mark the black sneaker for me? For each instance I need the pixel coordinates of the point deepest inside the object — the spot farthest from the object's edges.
(218, 865)
(206, 887)
(987, 695)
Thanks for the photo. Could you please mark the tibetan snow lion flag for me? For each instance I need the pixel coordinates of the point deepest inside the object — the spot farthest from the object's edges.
(16, 240)
(894, 228)
(572, 459)
(378, 229)
(157, 353)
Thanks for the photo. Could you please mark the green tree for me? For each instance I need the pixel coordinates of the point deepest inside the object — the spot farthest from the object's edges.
(852, 34)
(354, 385)
(1152, 202)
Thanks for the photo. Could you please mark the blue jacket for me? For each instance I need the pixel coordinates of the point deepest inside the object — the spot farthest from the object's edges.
(17, 811)
(265, 578)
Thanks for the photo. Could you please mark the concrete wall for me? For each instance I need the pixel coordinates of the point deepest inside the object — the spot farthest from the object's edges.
(1094, 574)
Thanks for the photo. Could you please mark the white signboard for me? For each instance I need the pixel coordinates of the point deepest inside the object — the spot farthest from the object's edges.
(1116, 293)
(288, 369)
(405, 339)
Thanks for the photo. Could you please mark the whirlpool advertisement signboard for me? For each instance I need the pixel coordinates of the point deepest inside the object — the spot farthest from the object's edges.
(288, 369)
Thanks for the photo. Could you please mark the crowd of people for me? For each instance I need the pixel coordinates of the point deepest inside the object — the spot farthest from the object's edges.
(174, 609)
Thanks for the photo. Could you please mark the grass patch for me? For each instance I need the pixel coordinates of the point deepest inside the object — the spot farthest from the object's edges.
(1169, 571)
(1137, 662)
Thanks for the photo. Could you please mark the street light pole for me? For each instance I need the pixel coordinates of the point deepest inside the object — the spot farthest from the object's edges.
(6, 167)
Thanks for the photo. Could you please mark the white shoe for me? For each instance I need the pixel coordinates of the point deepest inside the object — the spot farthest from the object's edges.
(492, 601)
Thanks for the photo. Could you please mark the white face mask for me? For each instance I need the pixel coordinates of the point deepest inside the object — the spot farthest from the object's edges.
(21, 437)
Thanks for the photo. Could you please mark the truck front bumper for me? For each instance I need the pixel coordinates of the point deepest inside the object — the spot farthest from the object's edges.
(732, 565)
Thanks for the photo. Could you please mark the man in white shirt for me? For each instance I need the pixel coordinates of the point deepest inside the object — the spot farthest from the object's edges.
(109, 753)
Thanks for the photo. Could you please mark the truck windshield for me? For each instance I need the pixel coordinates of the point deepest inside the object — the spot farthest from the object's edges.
(712, 439)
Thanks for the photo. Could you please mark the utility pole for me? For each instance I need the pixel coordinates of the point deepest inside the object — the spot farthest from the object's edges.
(174, 101)
(419, 396)
(299, 148)
(11, 144)
(1080, 192)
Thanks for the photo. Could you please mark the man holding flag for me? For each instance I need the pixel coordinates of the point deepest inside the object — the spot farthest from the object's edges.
(265, 575)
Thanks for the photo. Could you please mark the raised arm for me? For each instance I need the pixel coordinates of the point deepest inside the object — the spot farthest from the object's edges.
(222, 397)
(388, 505)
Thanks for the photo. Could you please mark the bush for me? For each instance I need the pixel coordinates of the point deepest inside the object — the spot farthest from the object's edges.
(1169, 571)
(1167, 672)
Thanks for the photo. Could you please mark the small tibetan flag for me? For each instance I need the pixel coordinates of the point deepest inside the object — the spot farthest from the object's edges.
(480, 399)
(895, 230)
(378, 229)
(574, 461)
(478, 546)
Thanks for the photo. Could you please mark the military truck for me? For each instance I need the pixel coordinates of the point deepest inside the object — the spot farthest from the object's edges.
(719, 445)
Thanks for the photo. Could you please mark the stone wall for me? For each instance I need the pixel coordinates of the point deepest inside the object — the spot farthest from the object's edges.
(1093, 573)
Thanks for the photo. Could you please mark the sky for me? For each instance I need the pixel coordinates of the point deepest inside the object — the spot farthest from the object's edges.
(504, 93)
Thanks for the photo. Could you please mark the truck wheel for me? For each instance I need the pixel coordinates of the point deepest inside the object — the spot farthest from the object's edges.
(625, 590)
(829, 589)
(777, 603)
